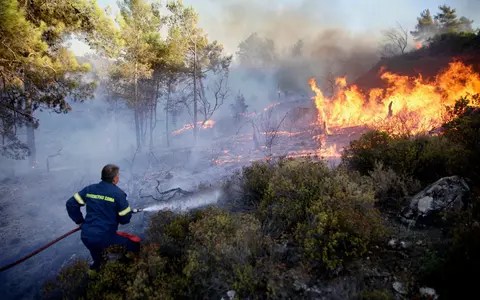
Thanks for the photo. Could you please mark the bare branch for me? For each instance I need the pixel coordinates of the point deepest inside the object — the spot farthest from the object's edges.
(219, 91)
(50, 156)
(395, 41)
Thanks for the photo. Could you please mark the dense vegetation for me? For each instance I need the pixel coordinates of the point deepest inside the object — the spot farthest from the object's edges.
(297, 220)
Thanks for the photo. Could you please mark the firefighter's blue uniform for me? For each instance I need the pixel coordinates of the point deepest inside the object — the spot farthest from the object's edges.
(106, 206)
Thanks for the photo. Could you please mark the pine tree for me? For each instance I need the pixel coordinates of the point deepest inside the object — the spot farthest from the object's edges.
(36, 69)
(140, 24)
(425, 28)
(447, 19)
(465, 25)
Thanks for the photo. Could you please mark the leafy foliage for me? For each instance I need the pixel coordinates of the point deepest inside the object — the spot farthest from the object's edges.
(37, 71)
(318, 208)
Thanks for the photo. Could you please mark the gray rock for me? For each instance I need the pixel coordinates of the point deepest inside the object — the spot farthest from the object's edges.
(428, 293)
(392, 243)
(448, 194)
(231, 294)
(399, 288)
(405, 245)
(299, 285)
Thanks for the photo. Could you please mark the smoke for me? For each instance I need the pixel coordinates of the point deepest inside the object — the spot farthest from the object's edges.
(330, 46)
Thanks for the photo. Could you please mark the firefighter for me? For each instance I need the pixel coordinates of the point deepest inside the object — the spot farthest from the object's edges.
(106, 206)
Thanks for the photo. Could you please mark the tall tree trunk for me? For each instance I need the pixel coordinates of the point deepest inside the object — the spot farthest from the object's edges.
(137, 119)
(150, 144)
(144, 126)
(142, 119)
(167, 130)
(153, 114)
(32, 158)
(9, 162)
(195, 129)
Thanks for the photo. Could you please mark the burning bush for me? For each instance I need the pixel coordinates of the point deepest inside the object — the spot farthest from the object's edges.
(426, 158)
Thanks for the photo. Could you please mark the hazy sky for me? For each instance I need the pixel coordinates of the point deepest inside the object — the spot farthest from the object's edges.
(230, 21)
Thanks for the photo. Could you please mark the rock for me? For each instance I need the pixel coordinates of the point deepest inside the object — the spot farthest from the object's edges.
(299, 285)
(231, 294)
(428, 293)
(392, 243)
(314, 292)
(445, 195)
(405, 245)
(399, 288)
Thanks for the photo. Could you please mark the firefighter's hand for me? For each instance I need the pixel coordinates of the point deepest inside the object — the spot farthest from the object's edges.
(80, 225)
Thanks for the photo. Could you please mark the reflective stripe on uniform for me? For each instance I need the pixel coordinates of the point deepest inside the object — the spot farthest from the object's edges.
(101, 197)
(124, 212)
(79, 199)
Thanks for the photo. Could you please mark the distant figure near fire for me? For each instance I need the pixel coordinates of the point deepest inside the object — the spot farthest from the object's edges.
(107, 206)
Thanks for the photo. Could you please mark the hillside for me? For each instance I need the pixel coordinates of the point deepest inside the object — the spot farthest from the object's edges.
(428, 60)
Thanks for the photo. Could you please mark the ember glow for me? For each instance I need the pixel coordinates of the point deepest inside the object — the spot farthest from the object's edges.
(208, 124)
(271, 106)
(409, 104)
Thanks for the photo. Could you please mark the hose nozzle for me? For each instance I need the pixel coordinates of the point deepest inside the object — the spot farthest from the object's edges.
(137, 210)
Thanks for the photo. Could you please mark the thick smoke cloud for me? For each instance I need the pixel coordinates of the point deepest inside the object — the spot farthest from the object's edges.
(330, 48)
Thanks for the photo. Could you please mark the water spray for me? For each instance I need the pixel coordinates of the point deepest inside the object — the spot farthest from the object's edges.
(188, 203)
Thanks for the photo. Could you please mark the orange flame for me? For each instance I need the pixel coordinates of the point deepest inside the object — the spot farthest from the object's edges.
(271, 106)
(409, 105)
(208, 124)
(418, 45)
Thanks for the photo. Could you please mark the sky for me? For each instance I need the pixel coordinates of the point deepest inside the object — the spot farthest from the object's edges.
(231, 21)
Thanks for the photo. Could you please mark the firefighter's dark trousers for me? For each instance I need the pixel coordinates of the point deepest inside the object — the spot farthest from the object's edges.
(98, 246)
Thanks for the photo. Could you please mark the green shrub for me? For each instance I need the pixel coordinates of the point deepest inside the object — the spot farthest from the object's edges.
(329, 213)
(392, 190)
(376, 295)
(464, 131)
(228, 251)
(362, 154)
(423, 158)
(171, 231)
(255, 179)
(70, 283)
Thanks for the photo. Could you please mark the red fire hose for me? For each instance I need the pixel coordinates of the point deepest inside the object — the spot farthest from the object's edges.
(132, 237)
(39, 250)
